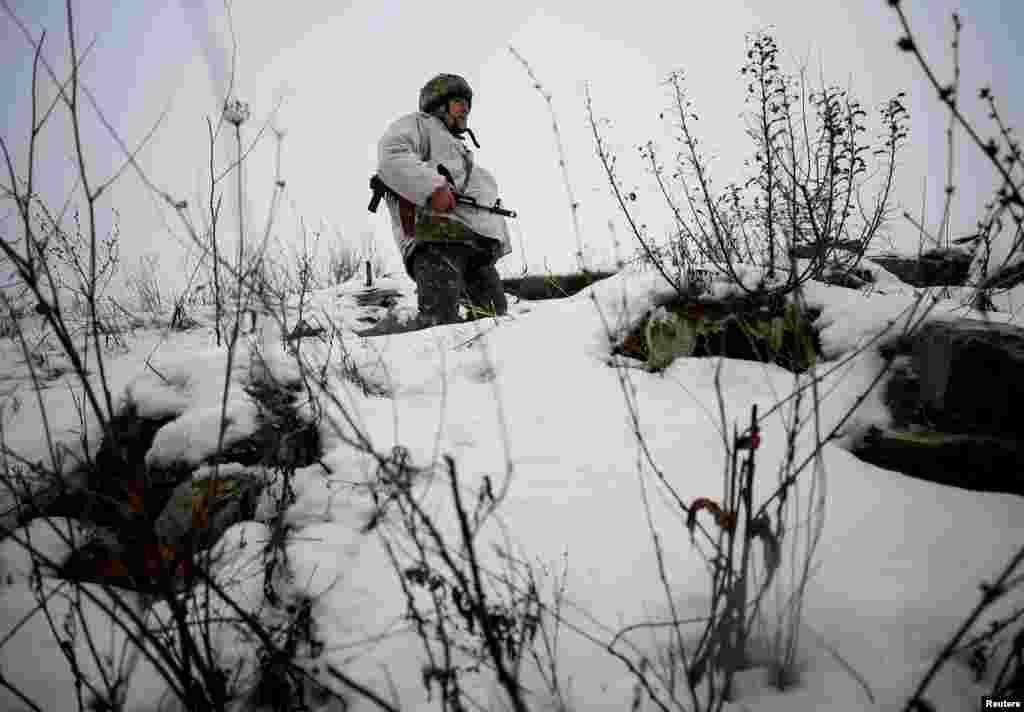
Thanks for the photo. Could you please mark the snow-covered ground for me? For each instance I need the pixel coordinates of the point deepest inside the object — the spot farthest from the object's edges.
(532, 401)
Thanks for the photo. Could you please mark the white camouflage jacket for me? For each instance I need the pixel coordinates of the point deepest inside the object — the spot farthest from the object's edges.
(407, 158)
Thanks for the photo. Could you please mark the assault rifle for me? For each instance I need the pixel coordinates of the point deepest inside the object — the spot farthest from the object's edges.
(380, 189)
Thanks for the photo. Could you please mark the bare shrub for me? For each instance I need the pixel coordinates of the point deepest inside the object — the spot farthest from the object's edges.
(144, 284)
(806, 198)
(744, 544)
(177, 626)
(345, 260)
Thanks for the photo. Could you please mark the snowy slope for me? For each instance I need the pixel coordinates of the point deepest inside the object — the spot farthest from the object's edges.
(532, 401)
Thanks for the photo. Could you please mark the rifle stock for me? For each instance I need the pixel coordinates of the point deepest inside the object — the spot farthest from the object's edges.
(378, 189)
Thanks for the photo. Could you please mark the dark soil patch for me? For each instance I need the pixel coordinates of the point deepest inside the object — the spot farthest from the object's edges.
(973, 462)
(741, 328)
(124, 498)
(118, 485)
(839, 276)
(935, 268)
(554, 286)
(375, 297)
(282, 440)
(953, 394)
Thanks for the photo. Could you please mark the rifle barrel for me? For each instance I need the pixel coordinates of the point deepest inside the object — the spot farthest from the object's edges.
(472, 202)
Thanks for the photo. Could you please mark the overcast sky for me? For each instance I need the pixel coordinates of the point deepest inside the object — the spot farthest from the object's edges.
(345, 70)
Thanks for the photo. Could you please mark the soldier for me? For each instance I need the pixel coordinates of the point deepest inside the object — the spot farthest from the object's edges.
(450, 249)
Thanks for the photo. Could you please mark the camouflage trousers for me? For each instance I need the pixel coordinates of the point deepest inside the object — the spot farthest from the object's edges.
(454, 273)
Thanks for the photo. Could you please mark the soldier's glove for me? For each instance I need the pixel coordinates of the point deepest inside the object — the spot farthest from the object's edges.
(442, 200)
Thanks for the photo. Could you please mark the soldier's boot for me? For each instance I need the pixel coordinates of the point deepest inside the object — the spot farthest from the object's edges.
(439, 283)
(485, 291)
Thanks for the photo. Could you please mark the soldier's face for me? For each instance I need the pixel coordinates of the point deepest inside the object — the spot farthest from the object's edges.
(458, 114)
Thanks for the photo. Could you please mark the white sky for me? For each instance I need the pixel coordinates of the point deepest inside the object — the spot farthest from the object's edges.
(347, 69)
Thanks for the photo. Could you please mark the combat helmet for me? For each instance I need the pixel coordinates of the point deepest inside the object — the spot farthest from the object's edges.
(442, 88)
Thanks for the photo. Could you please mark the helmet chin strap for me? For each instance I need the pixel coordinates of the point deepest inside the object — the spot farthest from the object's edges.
(443, 113)
(468, 130)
